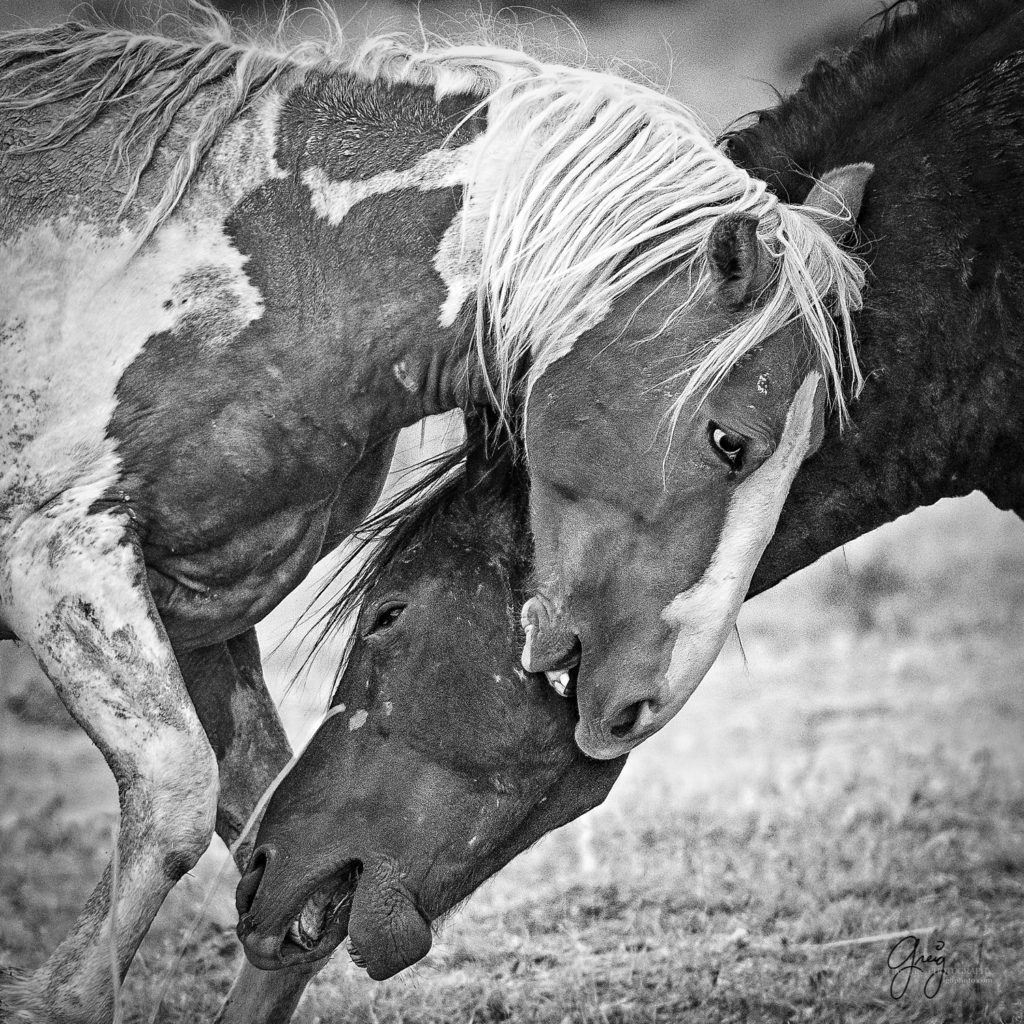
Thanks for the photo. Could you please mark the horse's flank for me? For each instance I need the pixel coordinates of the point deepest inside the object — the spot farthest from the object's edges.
(535, 244)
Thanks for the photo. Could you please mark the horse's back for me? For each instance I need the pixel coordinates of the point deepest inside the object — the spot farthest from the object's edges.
(77, 302)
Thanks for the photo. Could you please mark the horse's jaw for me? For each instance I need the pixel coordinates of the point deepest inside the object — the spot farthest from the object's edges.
(281, 925)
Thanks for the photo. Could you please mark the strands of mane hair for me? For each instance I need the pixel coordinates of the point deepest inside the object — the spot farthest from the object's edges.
(606, 184)
(585, 184)
(96, 69)
(390, 529)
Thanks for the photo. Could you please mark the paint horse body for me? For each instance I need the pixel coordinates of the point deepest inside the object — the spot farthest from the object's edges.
(231, 276)
(188, 426)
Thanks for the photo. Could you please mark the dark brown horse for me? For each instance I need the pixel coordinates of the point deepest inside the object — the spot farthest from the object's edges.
(935, 102)
(443, 758)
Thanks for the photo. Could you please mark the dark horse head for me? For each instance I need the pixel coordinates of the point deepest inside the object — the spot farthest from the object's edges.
(443, 759)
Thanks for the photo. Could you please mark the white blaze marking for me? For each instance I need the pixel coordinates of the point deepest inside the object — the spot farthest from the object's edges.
(706, 612)
(358, 720)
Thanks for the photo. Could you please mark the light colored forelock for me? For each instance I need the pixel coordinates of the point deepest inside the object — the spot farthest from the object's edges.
(604, 183)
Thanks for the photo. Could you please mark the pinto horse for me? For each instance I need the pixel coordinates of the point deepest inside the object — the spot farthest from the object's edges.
(232, 273)
(933, 101)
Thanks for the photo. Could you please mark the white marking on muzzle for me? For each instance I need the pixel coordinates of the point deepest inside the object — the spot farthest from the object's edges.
(704, 614)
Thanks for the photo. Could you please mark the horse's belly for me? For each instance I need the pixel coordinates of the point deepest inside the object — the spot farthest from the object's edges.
(215, 594)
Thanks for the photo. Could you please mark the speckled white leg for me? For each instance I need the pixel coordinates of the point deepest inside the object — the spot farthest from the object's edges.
(73, 587)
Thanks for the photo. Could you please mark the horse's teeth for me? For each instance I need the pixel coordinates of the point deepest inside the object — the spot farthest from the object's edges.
(559, 682)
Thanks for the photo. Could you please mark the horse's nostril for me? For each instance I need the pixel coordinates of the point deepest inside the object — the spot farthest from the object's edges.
(621, 724)
(249, 883)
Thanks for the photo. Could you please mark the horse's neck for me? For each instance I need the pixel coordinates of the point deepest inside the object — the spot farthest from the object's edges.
(309, 286)
(343, 198)
(941, 339)
(355, 238)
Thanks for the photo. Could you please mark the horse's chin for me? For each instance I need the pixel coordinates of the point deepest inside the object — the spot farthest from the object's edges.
(387, 932)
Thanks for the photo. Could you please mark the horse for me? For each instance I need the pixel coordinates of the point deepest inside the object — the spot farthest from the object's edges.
(441, 760)
(232, 272)
(932, 101)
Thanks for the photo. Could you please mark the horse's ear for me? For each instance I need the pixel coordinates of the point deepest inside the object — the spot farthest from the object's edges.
(840, 193)
(740, 266)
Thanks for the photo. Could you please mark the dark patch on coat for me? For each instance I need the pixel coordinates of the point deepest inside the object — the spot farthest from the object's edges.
(934, 101)
(356, 129)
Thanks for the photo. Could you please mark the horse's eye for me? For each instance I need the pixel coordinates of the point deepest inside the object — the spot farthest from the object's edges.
(387, 615)
(728, 448)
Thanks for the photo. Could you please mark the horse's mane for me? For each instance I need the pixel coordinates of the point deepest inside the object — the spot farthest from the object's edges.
(613, 184)
(789, 143)
(392, 528)
(602, 182)
(94, 69)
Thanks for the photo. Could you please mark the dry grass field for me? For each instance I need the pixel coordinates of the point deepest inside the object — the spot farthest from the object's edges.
(856, 770)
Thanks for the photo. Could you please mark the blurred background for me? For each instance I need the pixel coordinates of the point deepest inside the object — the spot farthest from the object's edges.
(852, 767)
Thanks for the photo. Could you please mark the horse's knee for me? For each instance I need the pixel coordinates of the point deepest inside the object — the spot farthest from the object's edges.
(182, 787)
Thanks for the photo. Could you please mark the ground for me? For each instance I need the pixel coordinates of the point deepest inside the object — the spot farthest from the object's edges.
(857, 770)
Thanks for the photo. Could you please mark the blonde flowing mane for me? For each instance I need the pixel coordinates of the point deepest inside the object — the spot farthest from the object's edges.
(620, 183)
(602, 182)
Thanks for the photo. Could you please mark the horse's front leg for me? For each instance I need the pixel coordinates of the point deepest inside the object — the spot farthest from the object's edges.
(227, 688)
(226, 685)
(73, 586)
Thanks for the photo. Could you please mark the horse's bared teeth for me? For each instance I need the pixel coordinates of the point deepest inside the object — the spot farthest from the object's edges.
(311, 920)
(560, 682)
(296, 934)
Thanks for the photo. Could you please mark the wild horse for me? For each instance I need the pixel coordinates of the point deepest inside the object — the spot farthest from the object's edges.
(443, 758)
(934, 102)
(232, 273)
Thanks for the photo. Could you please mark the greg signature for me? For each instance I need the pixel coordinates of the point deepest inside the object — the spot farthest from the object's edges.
(905, 958)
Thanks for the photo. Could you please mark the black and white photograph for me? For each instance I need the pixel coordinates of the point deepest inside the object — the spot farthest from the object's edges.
(512, 512)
